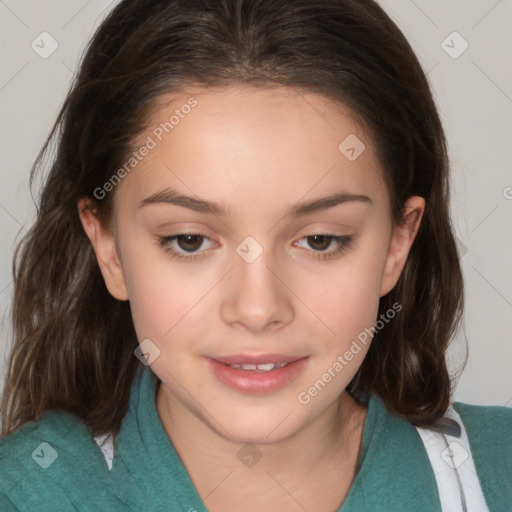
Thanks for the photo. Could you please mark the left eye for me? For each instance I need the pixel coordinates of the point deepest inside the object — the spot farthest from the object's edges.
(321, 242)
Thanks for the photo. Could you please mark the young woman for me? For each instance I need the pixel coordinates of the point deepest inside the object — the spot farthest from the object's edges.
(242, 280)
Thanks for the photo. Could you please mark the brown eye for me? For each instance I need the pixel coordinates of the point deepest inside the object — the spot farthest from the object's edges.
(319, 242)
(189, 242)
(185, 246)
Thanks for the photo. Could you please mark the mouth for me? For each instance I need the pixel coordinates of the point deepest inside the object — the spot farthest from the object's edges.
(256, 374)
(265, 367)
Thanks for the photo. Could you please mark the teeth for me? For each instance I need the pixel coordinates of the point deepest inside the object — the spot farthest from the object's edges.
(266, 367)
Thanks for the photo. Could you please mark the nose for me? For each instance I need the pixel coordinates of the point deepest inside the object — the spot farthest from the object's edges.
(256, 296)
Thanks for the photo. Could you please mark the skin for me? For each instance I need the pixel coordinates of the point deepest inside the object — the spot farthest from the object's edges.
(259, 151)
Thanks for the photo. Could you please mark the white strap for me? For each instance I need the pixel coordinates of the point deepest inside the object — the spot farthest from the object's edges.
(454, 469)
(106, 444)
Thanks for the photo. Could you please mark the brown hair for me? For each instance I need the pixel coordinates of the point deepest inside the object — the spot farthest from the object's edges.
(73, 342)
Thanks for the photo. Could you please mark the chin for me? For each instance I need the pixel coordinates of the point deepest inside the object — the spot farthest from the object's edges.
(251, 428)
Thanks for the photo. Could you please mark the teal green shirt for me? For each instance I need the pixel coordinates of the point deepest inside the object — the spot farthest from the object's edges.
(68, 471)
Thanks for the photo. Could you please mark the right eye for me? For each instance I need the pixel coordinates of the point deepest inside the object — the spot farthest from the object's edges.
(183, 246)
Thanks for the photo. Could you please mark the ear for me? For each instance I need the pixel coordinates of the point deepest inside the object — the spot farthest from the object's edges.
(401, 241)
(103, 242)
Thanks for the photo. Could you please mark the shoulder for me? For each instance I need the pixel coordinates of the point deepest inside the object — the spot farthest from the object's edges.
(488, 426)
(494, 418)
(489, 432)
(57, 427)
(42, 460)
(21, 446)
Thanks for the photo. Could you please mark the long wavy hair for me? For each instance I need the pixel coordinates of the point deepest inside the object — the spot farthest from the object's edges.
(73, 342)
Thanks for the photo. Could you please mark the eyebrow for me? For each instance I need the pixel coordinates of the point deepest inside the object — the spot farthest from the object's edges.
(169, 196)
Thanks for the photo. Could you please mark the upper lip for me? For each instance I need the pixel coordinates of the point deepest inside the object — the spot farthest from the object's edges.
(256, 358)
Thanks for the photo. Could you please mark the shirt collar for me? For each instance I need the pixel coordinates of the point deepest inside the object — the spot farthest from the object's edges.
(393, 468)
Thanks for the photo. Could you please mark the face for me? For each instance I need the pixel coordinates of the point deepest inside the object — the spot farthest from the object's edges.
(256, 266)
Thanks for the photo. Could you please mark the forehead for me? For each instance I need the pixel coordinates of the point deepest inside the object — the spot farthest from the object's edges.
(253, 143)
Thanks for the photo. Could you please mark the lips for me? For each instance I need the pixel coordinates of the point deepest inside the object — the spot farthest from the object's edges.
(276, 371)
(255, 359)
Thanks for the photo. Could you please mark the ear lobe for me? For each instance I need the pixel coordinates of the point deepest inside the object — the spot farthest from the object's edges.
(104, 246)
(401, 241)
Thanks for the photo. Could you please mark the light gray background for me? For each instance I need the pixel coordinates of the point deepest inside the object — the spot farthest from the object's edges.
(474, 96)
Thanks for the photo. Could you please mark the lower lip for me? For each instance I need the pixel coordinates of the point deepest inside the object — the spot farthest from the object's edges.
(254, 382)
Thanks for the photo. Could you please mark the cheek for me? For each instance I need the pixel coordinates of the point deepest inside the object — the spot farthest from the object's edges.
(345, 299)
(163, 298)
(346, 308)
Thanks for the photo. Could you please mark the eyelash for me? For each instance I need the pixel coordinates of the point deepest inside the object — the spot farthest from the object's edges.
(344, 242)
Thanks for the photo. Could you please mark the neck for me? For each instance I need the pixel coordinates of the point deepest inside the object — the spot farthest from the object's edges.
(333, 437)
